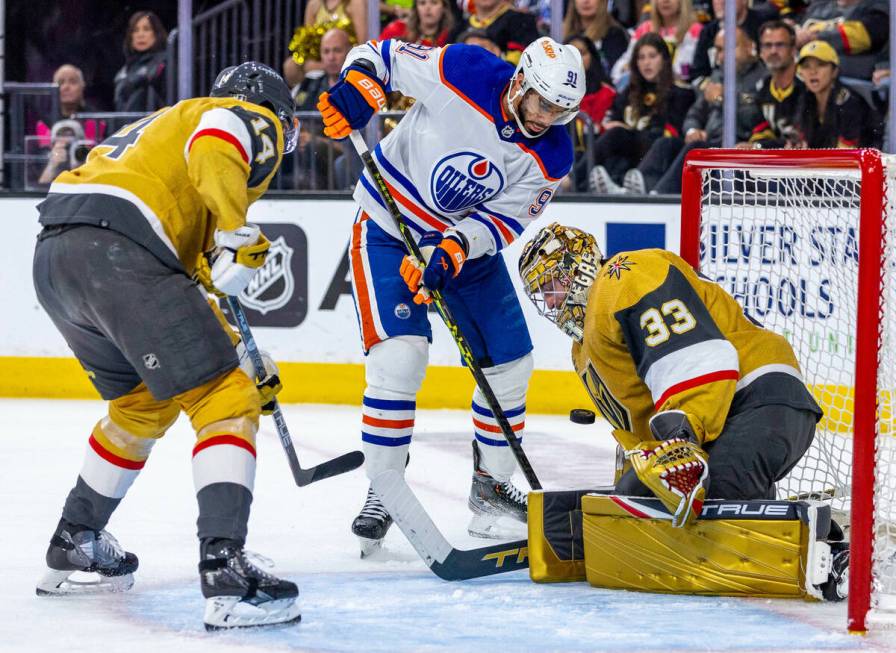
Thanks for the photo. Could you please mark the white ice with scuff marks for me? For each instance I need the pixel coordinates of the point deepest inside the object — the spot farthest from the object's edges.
(390, 604)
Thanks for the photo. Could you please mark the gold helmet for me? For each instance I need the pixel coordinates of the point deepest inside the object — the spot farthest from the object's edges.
(558, 267)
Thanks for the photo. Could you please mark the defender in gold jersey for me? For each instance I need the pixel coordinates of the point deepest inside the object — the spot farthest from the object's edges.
(704, 402)
(133, 242)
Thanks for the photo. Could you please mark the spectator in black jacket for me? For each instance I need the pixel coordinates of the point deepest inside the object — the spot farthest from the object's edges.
(832, 115)
(748, 19)
(779, 95)
(512, 30)
(660, 171)
(592, 19)
(140, 84)
(653, 106)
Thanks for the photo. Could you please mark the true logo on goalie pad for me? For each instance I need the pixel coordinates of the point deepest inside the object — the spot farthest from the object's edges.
(272, 286)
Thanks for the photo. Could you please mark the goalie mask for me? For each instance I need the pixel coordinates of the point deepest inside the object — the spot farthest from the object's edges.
(556, 78)
(558, 267)
(256, 83)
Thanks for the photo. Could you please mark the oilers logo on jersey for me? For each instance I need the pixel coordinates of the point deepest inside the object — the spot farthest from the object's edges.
(464, 179)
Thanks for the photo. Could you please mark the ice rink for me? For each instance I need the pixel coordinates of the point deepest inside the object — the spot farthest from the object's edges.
(391, 603)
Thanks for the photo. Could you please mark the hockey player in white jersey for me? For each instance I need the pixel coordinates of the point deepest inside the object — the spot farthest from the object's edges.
(478, 157)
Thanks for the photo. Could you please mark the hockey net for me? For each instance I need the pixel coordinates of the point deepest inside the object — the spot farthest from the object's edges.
(782, 231)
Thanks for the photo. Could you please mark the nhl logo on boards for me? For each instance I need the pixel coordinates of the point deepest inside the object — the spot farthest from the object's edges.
(402, 311)
(272, 286)
(462, 180)
(151, 361)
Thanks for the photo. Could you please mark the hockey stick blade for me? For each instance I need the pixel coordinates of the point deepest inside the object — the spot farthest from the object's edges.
(445, 561)
(339, 465)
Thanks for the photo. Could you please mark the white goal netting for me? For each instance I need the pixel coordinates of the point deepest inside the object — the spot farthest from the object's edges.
(785, 243)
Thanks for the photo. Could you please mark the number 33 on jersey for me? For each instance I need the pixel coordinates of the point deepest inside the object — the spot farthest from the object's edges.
(659, 337)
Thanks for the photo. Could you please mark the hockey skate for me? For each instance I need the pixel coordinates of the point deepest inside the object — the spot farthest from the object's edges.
(837, 586)
(371, 525)
(240, 595)
(84, 561)
(491, 502)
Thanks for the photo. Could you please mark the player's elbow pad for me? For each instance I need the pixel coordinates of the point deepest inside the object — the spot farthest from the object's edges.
(670, 424)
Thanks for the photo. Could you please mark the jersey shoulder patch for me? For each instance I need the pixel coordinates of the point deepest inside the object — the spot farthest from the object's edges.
(476, 75)
(262, 131)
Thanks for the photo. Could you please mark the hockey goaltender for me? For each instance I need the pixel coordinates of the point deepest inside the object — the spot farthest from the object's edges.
(705, 404)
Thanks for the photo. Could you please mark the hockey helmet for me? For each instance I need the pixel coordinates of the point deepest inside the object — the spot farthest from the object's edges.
(558, 267)
(256, 83)
(556, 73)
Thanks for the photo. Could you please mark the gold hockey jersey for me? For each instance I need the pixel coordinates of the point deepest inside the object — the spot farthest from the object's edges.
(170, 179)
(659, 337)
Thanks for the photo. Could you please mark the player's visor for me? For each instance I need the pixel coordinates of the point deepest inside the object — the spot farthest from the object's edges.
(290, 134)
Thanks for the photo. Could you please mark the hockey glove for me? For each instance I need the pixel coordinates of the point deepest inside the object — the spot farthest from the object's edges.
(351, 102)
(229, 268)
(270, 385)
(444, 256)
(677, 472)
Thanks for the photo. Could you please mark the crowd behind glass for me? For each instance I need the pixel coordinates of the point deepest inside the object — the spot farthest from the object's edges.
(810, 74)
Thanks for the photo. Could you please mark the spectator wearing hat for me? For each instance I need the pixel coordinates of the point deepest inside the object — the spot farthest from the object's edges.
(67, 150)
(831, 114)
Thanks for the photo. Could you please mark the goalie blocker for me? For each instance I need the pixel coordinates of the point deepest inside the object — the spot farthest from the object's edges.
(736, 548)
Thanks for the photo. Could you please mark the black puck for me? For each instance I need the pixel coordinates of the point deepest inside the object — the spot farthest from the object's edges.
(581, 416)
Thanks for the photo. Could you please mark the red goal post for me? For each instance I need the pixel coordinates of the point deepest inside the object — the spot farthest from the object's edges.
(806, 240)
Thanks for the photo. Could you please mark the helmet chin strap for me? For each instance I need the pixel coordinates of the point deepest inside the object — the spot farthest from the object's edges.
(519, 122)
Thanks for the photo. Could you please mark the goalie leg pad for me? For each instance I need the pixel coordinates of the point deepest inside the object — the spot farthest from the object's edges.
(394, 372)
(509, 382)
(746, 548)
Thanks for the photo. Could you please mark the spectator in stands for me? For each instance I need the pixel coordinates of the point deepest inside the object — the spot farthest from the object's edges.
(660, 171)
(68, 150)
(392, 10)
(349, 15)
(750, 20)
(593, 19)
(512, 30)
(856, 29)
(780, 94)
(140, 84)
(599, 93)
(431, 22)
(71, 84)
(831, 114)
(481, 38)
(653, 106)
(677, 23)
(308, 168)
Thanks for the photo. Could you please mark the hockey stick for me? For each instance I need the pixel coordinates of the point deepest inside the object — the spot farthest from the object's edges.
(445, 561)
(465, 351)
(339, 465)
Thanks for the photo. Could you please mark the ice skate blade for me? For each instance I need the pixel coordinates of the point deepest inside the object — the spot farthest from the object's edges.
(369, 547)
(62, 583)
(493, 527)
(230, 612)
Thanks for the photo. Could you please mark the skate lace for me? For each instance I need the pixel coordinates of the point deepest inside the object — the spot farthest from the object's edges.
(509, 490)
(373, 507)
(252, 562)
(103, 550)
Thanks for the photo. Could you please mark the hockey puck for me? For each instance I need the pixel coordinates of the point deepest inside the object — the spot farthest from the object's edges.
(581, 416)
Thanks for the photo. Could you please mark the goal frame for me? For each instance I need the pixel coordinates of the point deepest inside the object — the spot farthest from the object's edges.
(872, 225)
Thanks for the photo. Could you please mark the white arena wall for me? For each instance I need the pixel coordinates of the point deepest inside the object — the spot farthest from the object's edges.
(302, 311)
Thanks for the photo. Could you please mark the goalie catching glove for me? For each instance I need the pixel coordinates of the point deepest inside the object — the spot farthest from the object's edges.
(675, 467)
(230, 266)
(270, 385)
(444, 256)
(351, 102)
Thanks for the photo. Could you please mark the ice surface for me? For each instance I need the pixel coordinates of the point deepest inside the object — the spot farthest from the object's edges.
(391, 603)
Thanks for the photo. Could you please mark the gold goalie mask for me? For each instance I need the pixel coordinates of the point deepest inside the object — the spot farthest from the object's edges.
(558, 267)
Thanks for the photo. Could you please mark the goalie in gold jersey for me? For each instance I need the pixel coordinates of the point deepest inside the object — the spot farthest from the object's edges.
(158, 210)
(703, 401)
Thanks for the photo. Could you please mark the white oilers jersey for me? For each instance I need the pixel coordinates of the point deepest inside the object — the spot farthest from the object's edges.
(457, 159)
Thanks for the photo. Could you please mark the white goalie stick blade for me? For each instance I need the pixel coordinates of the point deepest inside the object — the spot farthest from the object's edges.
(225, 612)
(62, 583)
(445, 561)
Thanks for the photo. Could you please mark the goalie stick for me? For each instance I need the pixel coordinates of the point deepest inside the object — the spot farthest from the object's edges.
(465, 351)
(339, 465)
(444, 560)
